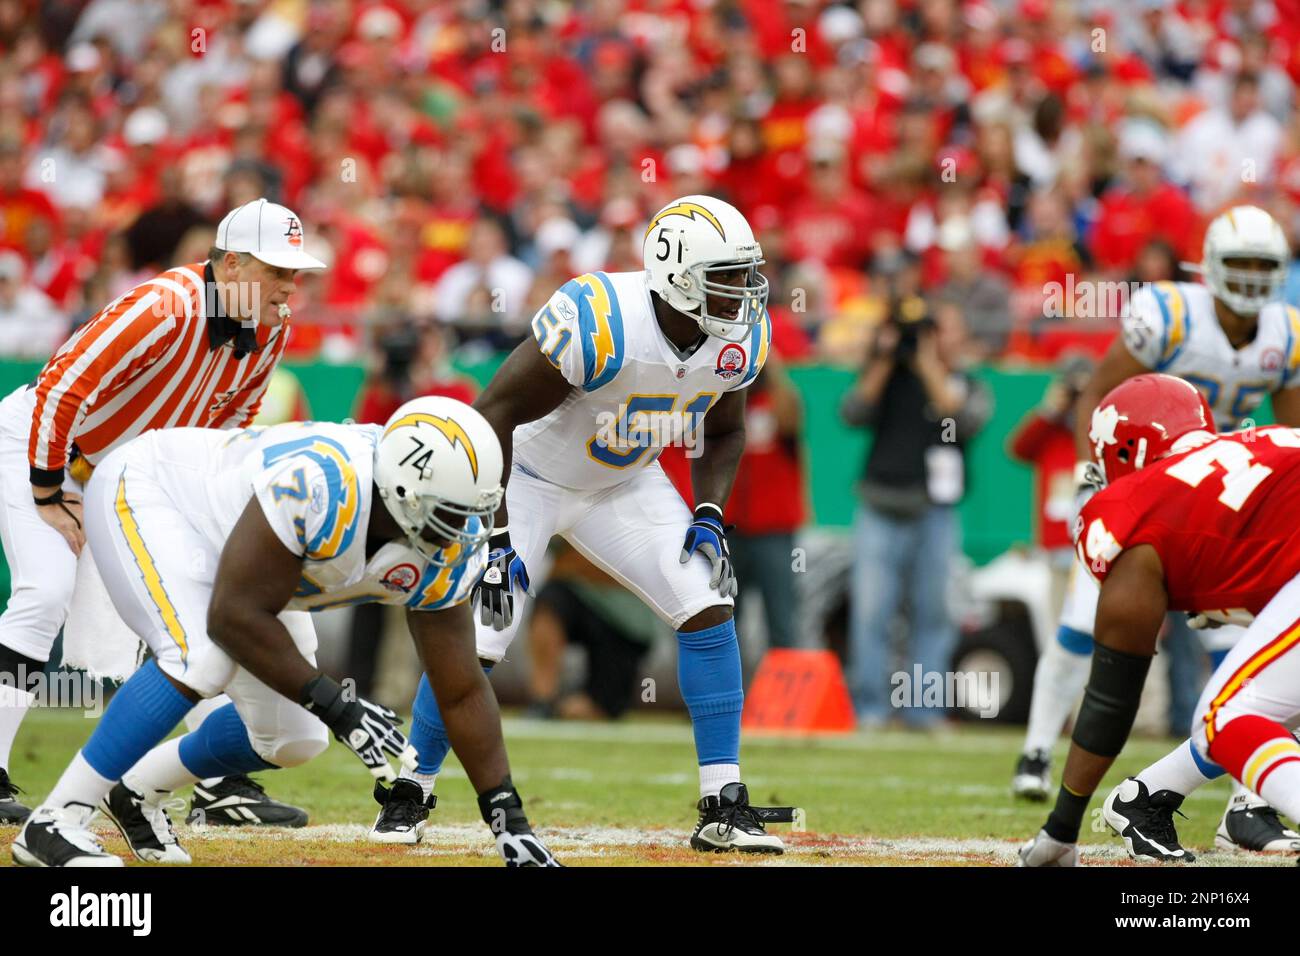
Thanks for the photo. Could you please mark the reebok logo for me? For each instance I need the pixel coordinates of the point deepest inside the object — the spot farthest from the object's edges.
(74, 909)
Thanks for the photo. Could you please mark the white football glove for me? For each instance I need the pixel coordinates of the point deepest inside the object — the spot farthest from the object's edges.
(524, 849)
(1042, 850)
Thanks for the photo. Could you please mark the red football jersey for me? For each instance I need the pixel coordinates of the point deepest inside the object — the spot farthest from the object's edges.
(1224, 518)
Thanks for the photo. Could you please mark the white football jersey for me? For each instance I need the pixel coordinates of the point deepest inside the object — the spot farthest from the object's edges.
(1171, 327)
(315, 484)
(633, 394)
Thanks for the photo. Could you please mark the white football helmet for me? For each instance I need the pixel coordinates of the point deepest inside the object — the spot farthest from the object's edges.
(437, 460)
(692, 238)
(1244, 232)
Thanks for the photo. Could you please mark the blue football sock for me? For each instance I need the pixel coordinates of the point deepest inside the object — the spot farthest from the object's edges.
(1076, 642)
(220, 747)
(708, 674)
(428, 734)
(139, 717)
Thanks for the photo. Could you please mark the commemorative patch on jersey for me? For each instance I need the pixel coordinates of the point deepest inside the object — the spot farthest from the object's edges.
(401, 579)
(731, 362)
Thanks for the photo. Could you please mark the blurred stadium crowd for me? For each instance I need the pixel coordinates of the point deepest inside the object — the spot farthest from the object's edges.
(455, 162)
(459, 159)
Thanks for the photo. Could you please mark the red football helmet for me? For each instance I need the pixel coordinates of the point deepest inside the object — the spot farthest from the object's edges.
(1140, 420)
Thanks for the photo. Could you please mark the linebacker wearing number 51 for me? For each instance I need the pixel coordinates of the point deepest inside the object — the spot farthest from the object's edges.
(620, 365)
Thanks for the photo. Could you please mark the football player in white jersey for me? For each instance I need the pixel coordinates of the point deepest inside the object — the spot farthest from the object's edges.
(212, 544)
(619, 366)
(1234, 342)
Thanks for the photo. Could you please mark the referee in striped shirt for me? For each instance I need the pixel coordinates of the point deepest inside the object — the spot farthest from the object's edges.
(194, 346)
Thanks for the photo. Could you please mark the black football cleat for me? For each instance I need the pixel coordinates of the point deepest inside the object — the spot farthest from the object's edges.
(1033, 777)
(11, 811)
(1254, 827)
(404, 812)
(239, 801)
(728, 822)
(59, 836)
(145, 825)
(1145, 822)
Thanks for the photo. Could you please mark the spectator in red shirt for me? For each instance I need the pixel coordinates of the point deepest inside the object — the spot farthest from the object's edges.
(19, 205)
(833, 224)
(1143, 207)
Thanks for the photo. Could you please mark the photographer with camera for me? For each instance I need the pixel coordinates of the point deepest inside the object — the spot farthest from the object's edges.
(410, 361)
(923, 409)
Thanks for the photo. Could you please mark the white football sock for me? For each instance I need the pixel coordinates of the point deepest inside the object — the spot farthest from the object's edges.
(1281, 789)
(79, 784)
(425, 780)
(160, 771)
(715, 776)
(1059, 681)
(13, 708)
(1242, 797)
(1176, 771)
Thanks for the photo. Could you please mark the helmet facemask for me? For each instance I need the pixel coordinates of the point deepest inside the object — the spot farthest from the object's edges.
(695, 285)
(1245, 290)
(417, 515)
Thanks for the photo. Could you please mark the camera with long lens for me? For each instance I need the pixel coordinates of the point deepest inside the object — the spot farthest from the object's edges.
(911, 316)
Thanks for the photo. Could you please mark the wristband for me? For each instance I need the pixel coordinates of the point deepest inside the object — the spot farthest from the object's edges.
(717, 512)
(502, 809)
(323, 696)
(54, 499)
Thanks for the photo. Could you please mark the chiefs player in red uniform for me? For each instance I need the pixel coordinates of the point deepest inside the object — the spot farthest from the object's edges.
(1196, 522)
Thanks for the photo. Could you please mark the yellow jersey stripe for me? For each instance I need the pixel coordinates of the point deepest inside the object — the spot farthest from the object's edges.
(148, 570)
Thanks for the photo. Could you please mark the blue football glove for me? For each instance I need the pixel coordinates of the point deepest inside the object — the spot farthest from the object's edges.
(494, 594)
(708, 537)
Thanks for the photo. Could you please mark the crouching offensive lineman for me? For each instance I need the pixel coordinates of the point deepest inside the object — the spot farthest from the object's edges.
(1193, 522)
(209, 541)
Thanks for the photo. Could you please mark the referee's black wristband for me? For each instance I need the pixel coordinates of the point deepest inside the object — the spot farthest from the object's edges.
(46, 477)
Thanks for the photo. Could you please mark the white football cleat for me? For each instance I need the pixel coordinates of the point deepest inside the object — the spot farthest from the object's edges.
(58, 836)
(728, 822)
(1042, 850)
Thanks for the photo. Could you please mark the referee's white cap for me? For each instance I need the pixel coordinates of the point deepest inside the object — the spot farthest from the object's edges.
(268, 232)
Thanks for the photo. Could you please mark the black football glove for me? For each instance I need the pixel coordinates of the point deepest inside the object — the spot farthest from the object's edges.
(708, 537)
(366, 729)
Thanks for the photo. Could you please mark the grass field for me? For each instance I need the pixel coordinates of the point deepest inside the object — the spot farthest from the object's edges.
(623, 795)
